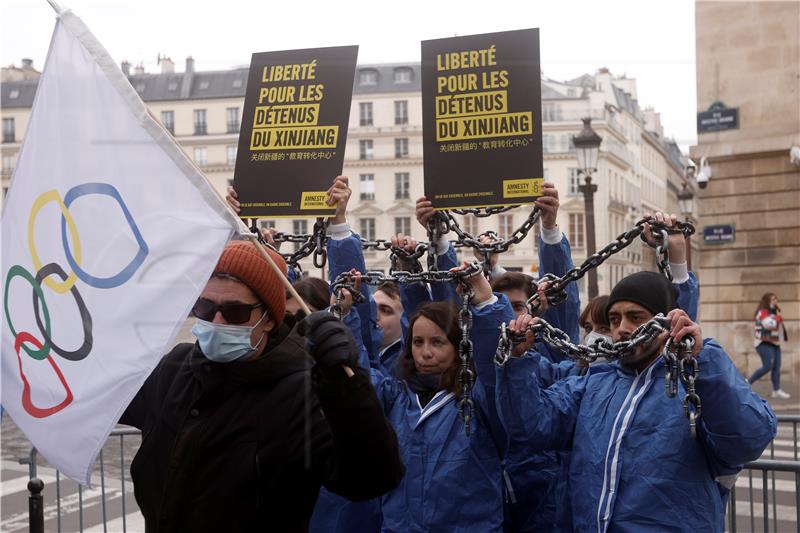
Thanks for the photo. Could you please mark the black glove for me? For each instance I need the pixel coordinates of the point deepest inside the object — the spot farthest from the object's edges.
(328, 340)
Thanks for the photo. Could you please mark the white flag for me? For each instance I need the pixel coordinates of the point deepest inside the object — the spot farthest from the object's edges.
(109, 234)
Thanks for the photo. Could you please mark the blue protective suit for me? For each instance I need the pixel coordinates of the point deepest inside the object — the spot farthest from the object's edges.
(634, 465)
(453, 481)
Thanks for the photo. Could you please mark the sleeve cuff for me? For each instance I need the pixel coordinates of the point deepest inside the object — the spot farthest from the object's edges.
(552, 235)
(442, 245)
(490, 301)
(497, 271)
(339, 232)
(680, 272)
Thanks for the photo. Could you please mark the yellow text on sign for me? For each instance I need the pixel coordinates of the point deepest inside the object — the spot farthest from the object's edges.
(297, 138)
(522, 187)
(464, 105)
(314, 200)
(484, 126)
(286, 115)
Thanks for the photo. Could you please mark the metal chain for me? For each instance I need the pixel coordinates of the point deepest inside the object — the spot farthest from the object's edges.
(677, 356)
(466, 377)
(311, 243)
(560, 340)
(556, 289)
(484, 211)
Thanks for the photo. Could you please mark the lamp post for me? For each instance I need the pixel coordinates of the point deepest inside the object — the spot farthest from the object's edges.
(686, 203)
(587, 146)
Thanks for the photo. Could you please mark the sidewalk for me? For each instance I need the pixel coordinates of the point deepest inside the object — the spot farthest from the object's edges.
(791, 406)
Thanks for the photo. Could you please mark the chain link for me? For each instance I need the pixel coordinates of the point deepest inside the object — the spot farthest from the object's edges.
(556, 289)
(466, 377)
(678, 360)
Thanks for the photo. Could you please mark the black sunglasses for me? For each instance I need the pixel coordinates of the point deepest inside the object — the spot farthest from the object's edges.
(232, 313)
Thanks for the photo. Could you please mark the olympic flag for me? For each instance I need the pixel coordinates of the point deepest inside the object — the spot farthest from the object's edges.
(109, 234)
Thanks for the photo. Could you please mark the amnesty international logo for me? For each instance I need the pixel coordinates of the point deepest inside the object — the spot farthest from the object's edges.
(522, 187)
(58, 281)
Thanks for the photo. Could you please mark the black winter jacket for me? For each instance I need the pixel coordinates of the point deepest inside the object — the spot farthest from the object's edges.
(245, 446)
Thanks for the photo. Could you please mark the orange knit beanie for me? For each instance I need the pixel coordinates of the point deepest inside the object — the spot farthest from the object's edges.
(243, 261)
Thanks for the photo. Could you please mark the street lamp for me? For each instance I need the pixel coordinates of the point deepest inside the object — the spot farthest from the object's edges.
(587, 147)
(686, 203)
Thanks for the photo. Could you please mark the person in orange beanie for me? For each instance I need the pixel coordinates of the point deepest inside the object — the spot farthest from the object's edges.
(234, 435)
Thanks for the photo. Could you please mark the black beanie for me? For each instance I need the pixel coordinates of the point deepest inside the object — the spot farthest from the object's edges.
(651, 290)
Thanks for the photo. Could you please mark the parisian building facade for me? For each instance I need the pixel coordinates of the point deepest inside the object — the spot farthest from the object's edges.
(748, 63)
(639, 170)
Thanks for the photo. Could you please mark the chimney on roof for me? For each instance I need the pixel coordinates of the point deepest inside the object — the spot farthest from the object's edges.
(139, 69)
(167, 66)
(126, 67)
(27, 64)
(189, 65)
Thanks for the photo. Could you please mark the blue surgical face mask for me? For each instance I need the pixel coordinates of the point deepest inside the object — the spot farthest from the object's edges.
(223, 343)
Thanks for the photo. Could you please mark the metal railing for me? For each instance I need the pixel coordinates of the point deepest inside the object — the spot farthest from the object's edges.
(35, 486)
(775, 474)
(767, 466)
(775, 483)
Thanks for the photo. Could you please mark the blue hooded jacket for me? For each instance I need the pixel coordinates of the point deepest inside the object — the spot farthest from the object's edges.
(453, 481)
(634, 465)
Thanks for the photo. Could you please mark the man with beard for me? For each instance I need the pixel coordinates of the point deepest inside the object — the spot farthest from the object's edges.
(635, 466)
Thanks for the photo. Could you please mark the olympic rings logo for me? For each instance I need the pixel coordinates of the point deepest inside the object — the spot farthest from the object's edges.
(40, 349)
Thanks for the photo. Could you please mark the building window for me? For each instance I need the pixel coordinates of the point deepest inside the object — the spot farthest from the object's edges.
(13, 94)
(265, 223)
(402, 75)
(402, 225)
(8, 165)
(401, 112)
(299, 227)
(576, 230)
(237, 83)
(201, 156)
(402, 184)
(574, 180)
(506, 226)
(368, 228)
(551, 112)
(168, 120)
(365, 114)
(200, 122)
(231, 153)
(571, 93)
(367, 189)
(365, 149)
(401, 148)
(471, 224)
(368, 77)
(566, 142)
(173, 86)
(8, 130)
(232, 114)
(546, 144)
(203, 85)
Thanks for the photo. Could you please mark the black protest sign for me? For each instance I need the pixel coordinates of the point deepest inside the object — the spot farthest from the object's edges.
(482, 123)
(294, 130)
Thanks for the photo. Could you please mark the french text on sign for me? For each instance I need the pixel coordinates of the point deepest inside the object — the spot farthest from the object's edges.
(286, 115)
(466, 59)
(303, 71)
(484, 126)
(462, 105)
(298, 138)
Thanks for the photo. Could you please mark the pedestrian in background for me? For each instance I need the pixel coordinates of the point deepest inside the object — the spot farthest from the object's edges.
(769, 324)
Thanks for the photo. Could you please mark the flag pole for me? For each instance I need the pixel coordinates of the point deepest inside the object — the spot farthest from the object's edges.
(56, 7)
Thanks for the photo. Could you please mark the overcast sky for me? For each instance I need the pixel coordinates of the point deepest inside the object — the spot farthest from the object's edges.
(652, 41)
